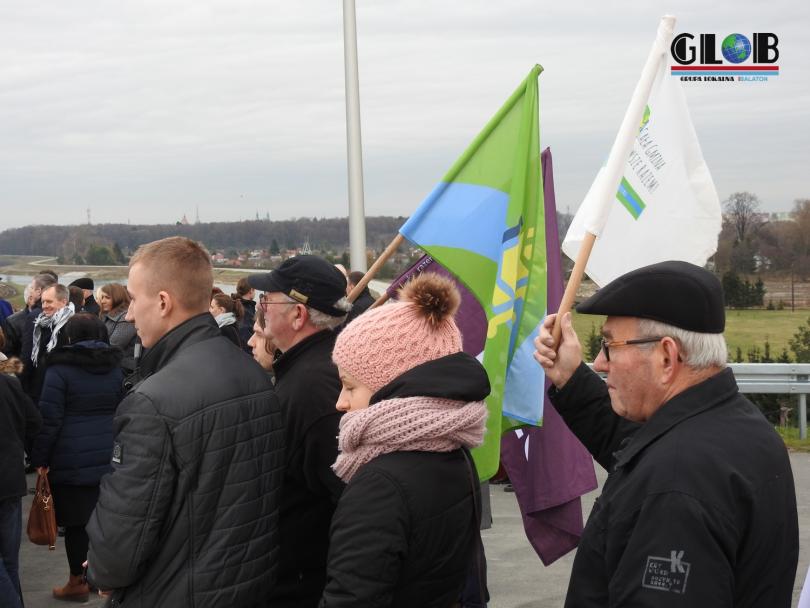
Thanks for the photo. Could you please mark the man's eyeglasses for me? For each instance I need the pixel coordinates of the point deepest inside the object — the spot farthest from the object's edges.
(607, 344)
(265, 303)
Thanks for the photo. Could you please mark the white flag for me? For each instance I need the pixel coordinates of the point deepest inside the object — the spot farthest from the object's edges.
(666, 207)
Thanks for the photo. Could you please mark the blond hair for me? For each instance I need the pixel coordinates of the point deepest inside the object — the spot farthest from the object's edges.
(179, 266)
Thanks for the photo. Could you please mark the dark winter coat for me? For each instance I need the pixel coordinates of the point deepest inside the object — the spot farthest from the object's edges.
(698, 509)
(231, 332)
(33, 375)
(360, 305)
(91, 306)
(82, 388)
(6, 310)
(402, 537)
(19, 423)
(13, 327)
(308, 387)
(189, 515)
(123, 335)
(246, 324)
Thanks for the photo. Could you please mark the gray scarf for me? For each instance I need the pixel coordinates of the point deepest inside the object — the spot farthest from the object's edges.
(225, 319)
(55, 323)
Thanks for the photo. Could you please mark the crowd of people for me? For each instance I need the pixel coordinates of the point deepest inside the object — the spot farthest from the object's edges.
(332, 467)
(185, 472)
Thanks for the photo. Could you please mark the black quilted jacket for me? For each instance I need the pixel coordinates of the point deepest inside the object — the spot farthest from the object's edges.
(189, 515)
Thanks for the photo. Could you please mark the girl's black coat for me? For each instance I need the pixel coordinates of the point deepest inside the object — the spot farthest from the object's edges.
(403, 533)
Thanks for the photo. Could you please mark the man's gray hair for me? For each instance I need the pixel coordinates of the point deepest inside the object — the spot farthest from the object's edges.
(321, 320)
(700, 351)
(43, 281)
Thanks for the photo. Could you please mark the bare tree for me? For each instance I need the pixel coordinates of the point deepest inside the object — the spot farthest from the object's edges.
(801, 245)
(741, 211)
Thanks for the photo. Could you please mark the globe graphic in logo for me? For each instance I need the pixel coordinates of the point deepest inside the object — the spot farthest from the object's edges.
(736, 48)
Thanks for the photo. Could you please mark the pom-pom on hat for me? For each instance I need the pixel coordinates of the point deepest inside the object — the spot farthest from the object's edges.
(385, 342)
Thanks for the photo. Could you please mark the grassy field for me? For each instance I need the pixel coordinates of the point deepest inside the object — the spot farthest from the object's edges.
(17, 300)
(744, 328)
(790, 435)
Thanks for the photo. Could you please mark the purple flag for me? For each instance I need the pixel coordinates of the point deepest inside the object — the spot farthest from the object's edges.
(470, 318)
(548, 466)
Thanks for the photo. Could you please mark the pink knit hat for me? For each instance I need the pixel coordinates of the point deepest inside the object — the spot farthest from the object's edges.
(385, 342)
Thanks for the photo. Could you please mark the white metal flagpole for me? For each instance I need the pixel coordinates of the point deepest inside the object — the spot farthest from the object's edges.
(357, 216)
(603, 192)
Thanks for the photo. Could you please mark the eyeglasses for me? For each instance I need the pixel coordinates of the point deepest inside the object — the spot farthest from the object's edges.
(265, 303)
(607, 345)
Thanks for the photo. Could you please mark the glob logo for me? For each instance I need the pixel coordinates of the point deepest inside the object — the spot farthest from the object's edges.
(701, 59)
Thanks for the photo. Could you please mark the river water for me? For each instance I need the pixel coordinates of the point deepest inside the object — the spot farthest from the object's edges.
(68, 277)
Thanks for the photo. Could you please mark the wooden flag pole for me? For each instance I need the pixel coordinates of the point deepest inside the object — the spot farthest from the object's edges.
(573, 284)
(375, 267)
(380, 301)
(608, 184)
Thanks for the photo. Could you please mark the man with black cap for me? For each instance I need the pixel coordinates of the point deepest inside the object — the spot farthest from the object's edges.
(699, 507)
(303, 302)
(87, 286)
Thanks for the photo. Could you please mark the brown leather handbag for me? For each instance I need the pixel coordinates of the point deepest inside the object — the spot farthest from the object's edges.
(42, 519)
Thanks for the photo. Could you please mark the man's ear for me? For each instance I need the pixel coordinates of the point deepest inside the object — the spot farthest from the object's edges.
(301, 316)
(671, 358)
(165, 303)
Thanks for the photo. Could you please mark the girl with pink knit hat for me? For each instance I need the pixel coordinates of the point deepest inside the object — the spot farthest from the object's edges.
(406, 528)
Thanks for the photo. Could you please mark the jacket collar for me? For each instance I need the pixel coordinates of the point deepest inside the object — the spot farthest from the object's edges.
(119, 316)
(196, 329)
(459, 377)
(92, 355)
(693, 401)
(322, 339)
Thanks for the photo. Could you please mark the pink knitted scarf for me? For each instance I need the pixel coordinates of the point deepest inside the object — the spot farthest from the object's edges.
(407, 424)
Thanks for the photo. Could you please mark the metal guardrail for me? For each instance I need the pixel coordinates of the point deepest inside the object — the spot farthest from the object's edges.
(779, 379)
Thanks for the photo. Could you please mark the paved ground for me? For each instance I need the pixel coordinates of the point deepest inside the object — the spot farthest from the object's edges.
(517, 578)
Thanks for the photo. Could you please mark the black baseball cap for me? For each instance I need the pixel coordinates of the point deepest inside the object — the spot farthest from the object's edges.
(676, 293)
(307, 279)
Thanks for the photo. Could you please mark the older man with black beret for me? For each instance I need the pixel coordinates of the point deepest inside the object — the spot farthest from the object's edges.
(303, 303)
(87, 286)
(699, 507)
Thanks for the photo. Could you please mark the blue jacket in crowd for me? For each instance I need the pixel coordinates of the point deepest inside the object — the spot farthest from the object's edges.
(82, 388)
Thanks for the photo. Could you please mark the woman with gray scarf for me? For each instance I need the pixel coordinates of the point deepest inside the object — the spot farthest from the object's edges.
(114, 303)
(227, 312)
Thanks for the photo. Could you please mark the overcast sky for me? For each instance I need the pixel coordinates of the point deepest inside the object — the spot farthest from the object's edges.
(145, 110)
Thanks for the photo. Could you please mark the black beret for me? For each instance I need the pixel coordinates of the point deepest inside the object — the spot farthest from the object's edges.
(308, 279)
(676, 293)
(83, 283)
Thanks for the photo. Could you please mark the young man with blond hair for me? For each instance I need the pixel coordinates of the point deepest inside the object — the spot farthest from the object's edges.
(189, 515)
